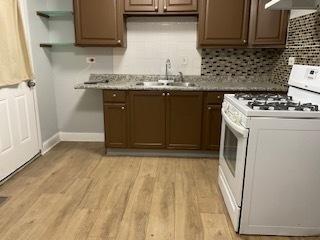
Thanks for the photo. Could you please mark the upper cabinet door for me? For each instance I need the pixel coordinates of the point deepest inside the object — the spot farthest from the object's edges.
(141, 5)
(180, 5)
(224, 22)
(267, 27)
(98, 22)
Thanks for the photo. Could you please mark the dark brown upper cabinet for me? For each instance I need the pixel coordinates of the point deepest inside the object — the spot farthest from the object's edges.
(147, 119)
(267, 27)
(184, 120)
(99, 23)
(223, 22)
(180, 5)
(141, 5)
(161, 7)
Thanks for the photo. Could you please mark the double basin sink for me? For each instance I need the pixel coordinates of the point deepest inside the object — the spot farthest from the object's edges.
(166, 84)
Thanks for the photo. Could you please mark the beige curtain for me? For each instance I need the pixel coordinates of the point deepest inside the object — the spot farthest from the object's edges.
(15, 65)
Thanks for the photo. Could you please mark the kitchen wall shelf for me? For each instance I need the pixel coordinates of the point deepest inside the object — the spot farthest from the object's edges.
(49, 14)
(50, 45)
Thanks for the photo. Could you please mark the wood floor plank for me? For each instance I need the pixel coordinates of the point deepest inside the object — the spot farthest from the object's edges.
(162, 213)
(135, 220)
(110, 215)
(188, 224)
(215, 227)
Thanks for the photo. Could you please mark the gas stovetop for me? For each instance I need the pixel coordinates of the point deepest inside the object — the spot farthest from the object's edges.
(275, 102)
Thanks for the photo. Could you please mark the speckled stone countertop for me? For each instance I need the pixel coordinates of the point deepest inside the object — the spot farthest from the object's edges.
(202, 83)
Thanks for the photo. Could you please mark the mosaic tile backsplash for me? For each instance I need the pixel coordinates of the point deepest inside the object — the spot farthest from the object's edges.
(303, 43)
(239, 62)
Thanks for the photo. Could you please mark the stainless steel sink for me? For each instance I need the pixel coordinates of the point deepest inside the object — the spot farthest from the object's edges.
(181, 84)
(150, 84)
(168, 84)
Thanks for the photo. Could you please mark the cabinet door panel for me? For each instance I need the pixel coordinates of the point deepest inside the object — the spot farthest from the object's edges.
(98, 22)
(267, 27)
(224, 22)
(184, 120)
(141, 5)
(115, 115)
(180, 5)
(147, 119)
(212, 128)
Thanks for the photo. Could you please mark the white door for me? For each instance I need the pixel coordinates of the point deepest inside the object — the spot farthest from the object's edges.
(18, 128)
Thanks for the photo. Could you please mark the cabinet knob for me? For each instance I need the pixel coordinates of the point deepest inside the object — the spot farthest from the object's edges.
(122, 108)
(219, 97)
(119, 41)
(209, 108)
(163, 94)
(114, 95)
(244, 41)
(168, 94)
(156, 8)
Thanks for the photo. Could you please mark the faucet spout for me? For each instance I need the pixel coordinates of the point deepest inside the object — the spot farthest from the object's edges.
(168, 66)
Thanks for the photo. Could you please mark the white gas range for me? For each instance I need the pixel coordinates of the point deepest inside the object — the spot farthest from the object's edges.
(269, 166)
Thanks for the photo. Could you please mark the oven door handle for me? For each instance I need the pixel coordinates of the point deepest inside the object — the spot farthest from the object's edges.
(239, 129)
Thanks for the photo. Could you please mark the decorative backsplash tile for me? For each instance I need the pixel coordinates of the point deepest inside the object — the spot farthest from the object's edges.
(239, 62)
(303, 43)
(304, 30)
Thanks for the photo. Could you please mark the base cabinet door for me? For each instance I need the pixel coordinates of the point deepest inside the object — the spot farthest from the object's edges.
(184, 120)
(147, 119)
(212, 127)
(98, 22)
(115, 115)
(141, 5)
(180, 5)
(267, 27)
(224, 22)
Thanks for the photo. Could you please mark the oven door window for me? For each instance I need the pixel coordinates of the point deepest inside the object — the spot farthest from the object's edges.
(230, 150)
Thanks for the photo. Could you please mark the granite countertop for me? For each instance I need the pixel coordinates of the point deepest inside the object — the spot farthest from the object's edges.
(202, 83)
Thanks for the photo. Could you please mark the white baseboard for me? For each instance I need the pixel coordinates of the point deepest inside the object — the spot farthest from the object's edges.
(70, 137)
(81, 137)
(50, 143)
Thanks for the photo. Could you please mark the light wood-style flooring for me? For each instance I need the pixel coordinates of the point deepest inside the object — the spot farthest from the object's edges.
(75, 192)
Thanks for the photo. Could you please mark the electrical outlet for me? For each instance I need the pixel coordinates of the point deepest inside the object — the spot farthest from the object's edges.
(91, 60)
(291, 61)
(184, 60)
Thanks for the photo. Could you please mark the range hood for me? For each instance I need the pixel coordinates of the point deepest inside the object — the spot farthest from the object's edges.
(292, 4)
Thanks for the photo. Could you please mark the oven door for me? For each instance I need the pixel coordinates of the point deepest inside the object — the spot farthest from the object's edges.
(233, 147)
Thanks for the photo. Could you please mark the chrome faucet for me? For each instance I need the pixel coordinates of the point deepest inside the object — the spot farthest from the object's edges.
(168, 66)
(181, 77)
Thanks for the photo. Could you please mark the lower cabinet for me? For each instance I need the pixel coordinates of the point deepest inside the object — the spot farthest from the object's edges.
(212, 127)
(181, 120)
(147, 119)
(116, 134)
(184, 120)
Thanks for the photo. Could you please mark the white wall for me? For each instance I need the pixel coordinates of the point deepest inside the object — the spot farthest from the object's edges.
(152, 40)
(79, 111)
(38, 28)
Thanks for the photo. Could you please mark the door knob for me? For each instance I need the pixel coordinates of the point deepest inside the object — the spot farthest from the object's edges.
(31, 84)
